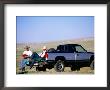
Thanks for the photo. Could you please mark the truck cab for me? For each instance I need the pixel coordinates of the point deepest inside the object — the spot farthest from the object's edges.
(70, 55)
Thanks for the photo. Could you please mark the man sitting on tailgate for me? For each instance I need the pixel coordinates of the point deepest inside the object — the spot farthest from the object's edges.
(38, 58)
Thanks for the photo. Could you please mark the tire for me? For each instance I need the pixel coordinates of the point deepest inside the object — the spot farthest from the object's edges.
(92, 65)
(59, 66)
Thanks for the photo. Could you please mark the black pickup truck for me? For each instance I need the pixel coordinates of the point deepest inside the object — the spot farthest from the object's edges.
(69, 55)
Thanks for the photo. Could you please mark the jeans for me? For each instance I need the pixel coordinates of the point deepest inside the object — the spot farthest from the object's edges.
(23, 63)
(36, 58)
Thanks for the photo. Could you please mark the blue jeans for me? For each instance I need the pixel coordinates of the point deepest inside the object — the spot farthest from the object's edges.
(23, 63)
(35, 58)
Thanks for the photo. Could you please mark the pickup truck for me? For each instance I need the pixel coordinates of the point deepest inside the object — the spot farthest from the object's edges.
(69, 55)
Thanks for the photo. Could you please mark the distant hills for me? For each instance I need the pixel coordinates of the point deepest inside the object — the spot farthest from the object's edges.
(88, 43)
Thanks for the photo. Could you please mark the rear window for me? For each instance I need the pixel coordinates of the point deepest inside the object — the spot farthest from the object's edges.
(60, 48)
(65, 48)
(71, 49)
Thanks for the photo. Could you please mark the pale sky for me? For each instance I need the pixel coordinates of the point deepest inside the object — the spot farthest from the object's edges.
(53, 28)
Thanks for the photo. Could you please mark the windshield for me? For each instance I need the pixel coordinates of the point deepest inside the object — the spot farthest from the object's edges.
(80, 49)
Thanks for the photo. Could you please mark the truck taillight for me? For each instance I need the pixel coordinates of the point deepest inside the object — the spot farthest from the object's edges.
(46, 55)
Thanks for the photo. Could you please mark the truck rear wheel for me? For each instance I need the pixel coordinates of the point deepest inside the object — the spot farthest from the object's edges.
(59, 66)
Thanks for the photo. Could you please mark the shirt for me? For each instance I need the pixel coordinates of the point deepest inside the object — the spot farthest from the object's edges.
(44, 54)
(28, 53)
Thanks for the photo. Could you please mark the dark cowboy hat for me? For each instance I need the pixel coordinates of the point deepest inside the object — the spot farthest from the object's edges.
(26, 47)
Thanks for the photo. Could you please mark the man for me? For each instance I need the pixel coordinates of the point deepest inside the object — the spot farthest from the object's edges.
(44, 53)
(26, 56)
(38, 58)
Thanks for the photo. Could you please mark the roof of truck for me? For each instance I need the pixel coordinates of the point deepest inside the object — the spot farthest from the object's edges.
(72, 44)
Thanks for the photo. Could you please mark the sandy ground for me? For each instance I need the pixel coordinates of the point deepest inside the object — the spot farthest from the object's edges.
(67, 70)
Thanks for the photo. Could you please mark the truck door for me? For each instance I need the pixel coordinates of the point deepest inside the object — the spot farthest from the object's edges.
(70, 52)
(81, 53)
(67, 51)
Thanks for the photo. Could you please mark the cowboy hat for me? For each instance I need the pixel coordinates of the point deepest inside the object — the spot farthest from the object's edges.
(44, 47)
(26, 47)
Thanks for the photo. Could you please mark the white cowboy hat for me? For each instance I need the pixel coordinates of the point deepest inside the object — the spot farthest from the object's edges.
(26, 47)
(44, 47)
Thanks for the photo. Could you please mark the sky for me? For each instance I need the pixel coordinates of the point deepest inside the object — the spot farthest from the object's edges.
(53, 28)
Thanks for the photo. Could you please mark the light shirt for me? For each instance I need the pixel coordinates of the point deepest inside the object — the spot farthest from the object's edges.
(43, 53)
(29, 53)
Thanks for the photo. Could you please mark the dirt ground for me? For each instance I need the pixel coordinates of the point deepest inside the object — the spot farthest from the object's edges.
(67, 70)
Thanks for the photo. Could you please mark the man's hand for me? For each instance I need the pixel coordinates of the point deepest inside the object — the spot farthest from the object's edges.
(25, 56)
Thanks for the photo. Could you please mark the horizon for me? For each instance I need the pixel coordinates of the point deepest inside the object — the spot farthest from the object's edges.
(77, 39)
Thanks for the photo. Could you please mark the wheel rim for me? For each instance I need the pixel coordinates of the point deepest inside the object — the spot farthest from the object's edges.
(60, 66)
